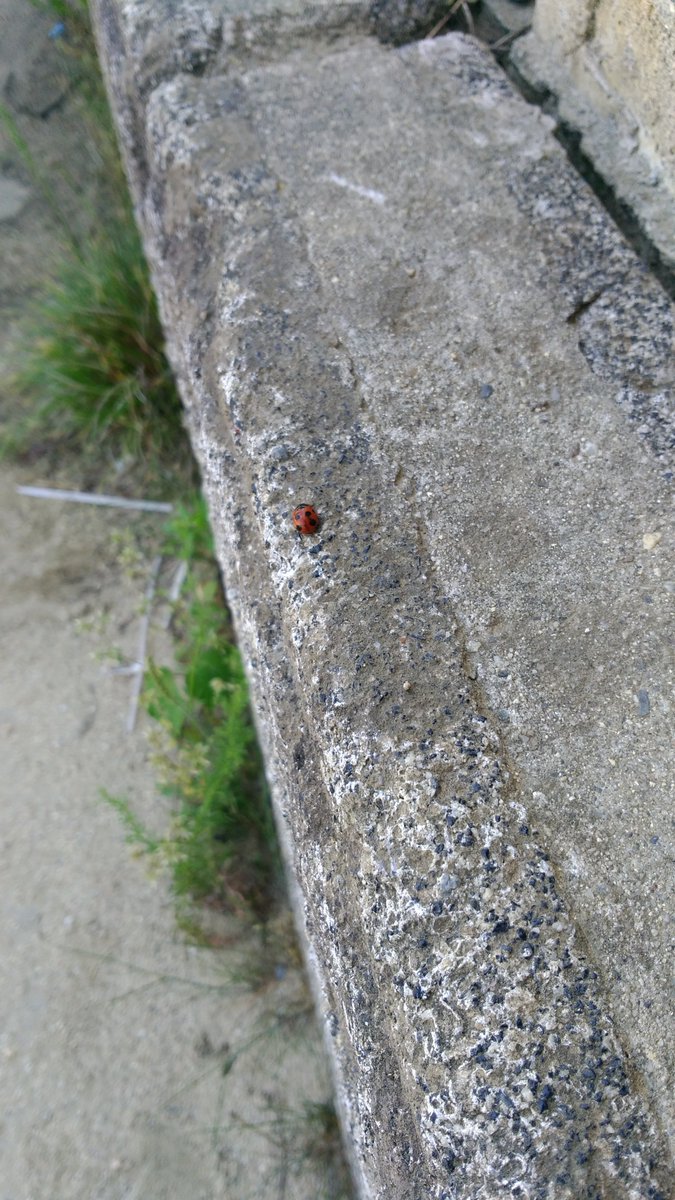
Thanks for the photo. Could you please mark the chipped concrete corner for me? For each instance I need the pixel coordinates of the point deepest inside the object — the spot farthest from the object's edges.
(387, 294)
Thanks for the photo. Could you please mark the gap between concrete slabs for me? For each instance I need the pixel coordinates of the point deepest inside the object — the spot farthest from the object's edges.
(385, 292)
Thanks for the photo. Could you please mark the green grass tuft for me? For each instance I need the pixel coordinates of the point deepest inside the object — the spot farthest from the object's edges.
(87, 360)
(90, 365)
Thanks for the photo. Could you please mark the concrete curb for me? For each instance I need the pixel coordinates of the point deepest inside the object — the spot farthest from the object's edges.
(353, 251)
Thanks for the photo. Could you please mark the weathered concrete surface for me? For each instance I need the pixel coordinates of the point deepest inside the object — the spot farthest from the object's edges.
(386, 292)
(610, 65)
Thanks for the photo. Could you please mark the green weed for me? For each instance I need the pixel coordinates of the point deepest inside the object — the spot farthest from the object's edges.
(187, 533)
(91, 364)
(67, 10)
(87, 362)
(221, 845)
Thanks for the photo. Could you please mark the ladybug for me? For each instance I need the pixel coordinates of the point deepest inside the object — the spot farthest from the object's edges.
(306, 519)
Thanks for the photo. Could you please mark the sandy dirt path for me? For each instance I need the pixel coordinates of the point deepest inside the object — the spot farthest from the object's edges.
(113, 1031)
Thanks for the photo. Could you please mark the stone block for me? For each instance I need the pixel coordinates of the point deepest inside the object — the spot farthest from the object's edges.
(609, 64)
(387, 294)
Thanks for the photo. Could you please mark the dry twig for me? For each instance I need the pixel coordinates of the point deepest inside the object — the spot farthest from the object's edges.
(449, 15)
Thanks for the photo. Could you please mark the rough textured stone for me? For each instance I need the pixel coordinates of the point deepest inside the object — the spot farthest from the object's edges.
(624, 52)
(360, 260)
(610, 65)
(202, 37)
(13, 197)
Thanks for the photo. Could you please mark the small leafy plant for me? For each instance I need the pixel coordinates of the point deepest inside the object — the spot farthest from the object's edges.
(221, 845)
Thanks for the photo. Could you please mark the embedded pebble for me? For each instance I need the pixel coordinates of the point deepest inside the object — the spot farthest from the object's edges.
(13, 197)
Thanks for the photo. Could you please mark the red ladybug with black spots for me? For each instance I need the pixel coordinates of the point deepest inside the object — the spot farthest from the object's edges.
(306, 519)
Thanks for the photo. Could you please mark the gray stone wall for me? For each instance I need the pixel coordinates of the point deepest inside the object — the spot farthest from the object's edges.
(610, 65)
(386, 293)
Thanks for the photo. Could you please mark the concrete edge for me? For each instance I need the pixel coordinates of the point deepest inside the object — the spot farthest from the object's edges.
(268, 636)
